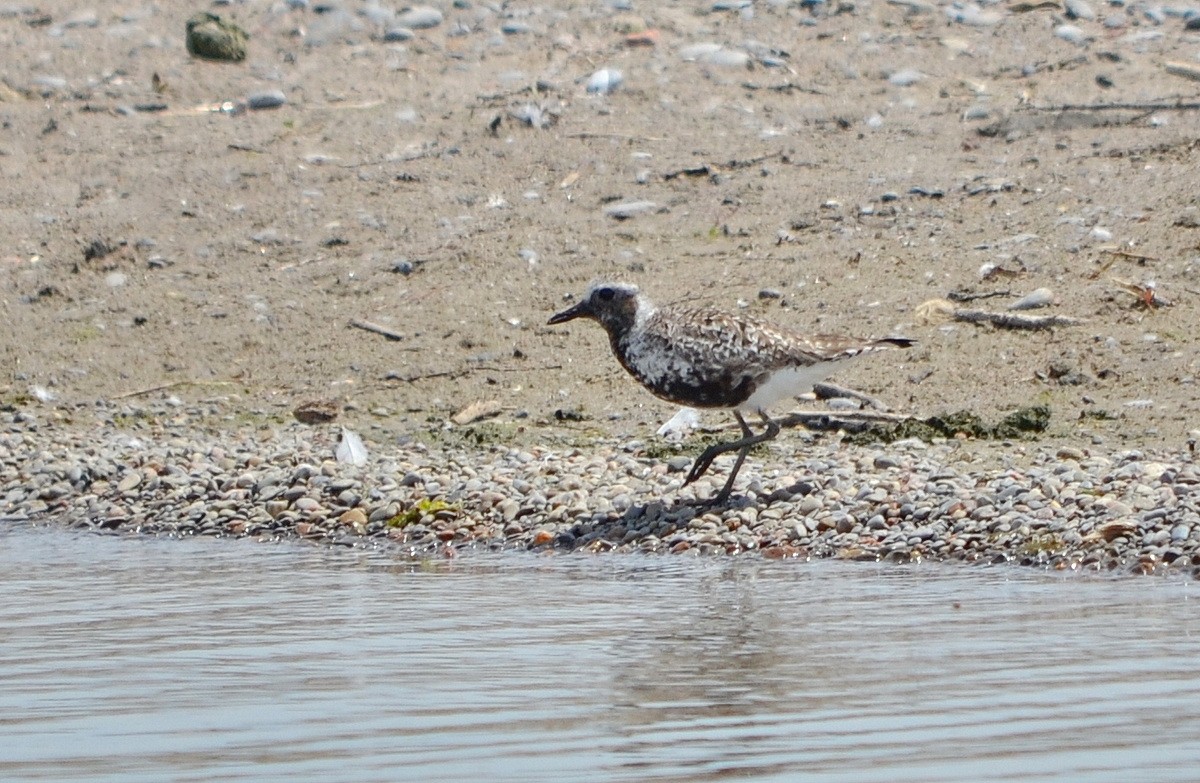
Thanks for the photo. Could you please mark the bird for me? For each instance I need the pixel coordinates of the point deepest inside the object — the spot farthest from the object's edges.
(707, 358)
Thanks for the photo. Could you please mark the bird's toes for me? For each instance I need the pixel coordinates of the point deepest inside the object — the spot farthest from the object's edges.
(699, 468)
(718, 499)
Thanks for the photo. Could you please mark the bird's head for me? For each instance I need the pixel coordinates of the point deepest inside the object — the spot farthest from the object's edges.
(614, 305)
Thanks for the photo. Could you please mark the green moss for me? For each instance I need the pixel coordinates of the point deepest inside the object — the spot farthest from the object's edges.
(1043, 543)
(85, 334)
(11, 402)
(423, 507)
(1021, 423)
(484, 433)
(213, 38)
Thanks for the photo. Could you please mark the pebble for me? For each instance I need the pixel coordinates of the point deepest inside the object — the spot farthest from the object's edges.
(972, 15)
(678, 464)
(1040, 297)
(267, 99)
(127, 484)
(605, 81)
(714, 54)
(1079, 9)
(906, 77)
(419, 18)
(1071, 34)
(627, 209)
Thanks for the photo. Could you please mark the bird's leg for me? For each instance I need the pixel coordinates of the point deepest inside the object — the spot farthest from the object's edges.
(742, 446)
(705, 460)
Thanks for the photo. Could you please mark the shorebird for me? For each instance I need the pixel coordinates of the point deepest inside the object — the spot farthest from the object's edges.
(707, 358)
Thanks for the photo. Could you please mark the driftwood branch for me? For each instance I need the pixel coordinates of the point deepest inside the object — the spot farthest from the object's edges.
(1014, 320)
(841, 420)
(830, 420)
(829, 391)
(1151, 106)
(941, 310)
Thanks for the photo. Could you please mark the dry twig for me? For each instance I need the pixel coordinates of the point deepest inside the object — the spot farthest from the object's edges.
(391, 334)
(164, 387)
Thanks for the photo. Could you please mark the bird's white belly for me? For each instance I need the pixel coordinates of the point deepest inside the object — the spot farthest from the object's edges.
(785, 383)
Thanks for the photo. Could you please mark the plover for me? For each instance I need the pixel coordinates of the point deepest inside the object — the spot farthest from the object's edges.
(706, 358)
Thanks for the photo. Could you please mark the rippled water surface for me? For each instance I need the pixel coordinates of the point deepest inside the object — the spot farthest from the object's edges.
(150, 660)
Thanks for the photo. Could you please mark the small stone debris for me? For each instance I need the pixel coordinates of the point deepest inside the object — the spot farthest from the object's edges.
(316, 411)
(1055, 508)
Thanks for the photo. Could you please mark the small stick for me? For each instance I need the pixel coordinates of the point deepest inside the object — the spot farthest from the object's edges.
(163, 387)
(393, 376)
(1127, 254)
(1014, 320)
(391, 334)
(619, 136)
(967, 296)
(489, 368)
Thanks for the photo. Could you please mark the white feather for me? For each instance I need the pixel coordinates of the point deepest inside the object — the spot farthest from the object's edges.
(351, 448)
(786, 383)
(679, 425)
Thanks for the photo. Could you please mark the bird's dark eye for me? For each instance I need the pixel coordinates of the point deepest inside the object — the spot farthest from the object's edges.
(606, 294)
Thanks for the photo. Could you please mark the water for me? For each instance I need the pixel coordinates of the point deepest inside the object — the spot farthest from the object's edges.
(145, 660)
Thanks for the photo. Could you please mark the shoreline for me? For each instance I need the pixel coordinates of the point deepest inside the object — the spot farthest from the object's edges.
(1129, 511)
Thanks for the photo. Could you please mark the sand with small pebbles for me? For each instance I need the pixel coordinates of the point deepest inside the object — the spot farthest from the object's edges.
(833, 168)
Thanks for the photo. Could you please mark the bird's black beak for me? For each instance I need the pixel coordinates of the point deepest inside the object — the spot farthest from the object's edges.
(580, 310)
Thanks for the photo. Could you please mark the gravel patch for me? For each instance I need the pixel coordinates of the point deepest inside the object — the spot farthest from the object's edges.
(1128, 511)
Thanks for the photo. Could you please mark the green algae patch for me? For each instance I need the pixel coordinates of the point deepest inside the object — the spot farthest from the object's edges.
(472, 436)
(1022, 423)
(423, 508)
(212, 38)
(1044, 544)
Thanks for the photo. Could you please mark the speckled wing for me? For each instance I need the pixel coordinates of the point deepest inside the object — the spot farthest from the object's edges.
(708, 358)
(742, 339)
